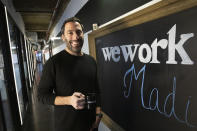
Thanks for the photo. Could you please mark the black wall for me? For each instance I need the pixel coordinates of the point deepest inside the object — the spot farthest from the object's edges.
(142, 96)
(102, 11)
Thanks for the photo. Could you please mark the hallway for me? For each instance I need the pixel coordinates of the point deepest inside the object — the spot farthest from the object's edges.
(39, 117)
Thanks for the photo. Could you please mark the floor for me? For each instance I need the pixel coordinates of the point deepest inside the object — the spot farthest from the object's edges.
(39, 117)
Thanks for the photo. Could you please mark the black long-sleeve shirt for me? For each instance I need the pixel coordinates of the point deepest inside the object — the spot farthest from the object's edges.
(63, 75)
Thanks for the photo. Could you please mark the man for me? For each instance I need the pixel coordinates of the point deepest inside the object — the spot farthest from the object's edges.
(67, 77)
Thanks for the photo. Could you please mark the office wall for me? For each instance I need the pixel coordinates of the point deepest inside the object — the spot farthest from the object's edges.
(102, 11)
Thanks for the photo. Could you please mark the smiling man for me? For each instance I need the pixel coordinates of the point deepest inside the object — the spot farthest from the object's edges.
(67, 78)
(72, 34)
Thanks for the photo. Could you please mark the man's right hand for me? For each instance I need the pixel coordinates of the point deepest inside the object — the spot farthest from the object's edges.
(77, 100)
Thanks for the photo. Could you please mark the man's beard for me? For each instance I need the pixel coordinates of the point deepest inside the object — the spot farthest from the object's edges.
(77, 49)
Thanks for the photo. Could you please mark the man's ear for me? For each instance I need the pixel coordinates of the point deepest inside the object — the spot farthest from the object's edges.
(63, 37)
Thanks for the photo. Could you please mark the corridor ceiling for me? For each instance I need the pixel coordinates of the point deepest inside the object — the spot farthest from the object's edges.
(40, 15)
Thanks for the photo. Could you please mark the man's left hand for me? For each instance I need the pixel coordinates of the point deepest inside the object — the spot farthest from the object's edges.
(96, 123)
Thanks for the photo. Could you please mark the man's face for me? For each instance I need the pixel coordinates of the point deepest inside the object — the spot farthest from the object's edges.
(73, 36)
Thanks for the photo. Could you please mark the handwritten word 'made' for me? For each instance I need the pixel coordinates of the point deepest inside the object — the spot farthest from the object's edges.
(151, 52)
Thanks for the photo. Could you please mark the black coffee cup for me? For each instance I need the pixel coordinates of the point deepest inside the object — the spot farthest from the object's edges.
(90, 100)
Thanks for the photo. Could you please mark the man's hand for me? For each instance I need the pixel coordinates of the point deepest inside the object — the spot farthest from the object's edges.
(77, 100)
(96, 123)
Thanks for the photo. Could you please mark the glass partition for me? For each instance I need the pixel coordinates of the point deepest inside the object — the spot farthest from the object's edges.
(14, 41)
(5, 108)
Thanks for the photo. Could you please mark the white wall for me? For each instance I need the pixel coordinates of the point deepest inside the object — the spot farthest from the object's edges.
(103, 127)
(59, 48)
(73, 7)
(85, 48)
(46, 55)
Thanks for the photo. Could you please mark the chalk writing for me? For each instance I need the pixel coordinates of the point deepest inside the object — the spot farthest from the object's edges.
(131, 73)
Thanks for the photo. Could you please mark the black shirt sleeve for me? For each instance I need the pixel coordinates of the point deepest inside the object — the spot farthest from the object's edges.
(47, 84)
(98, 96)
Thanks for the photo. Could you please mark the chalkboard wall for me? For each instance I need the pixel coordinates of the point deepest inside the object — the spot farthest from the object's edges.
(147, 74)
